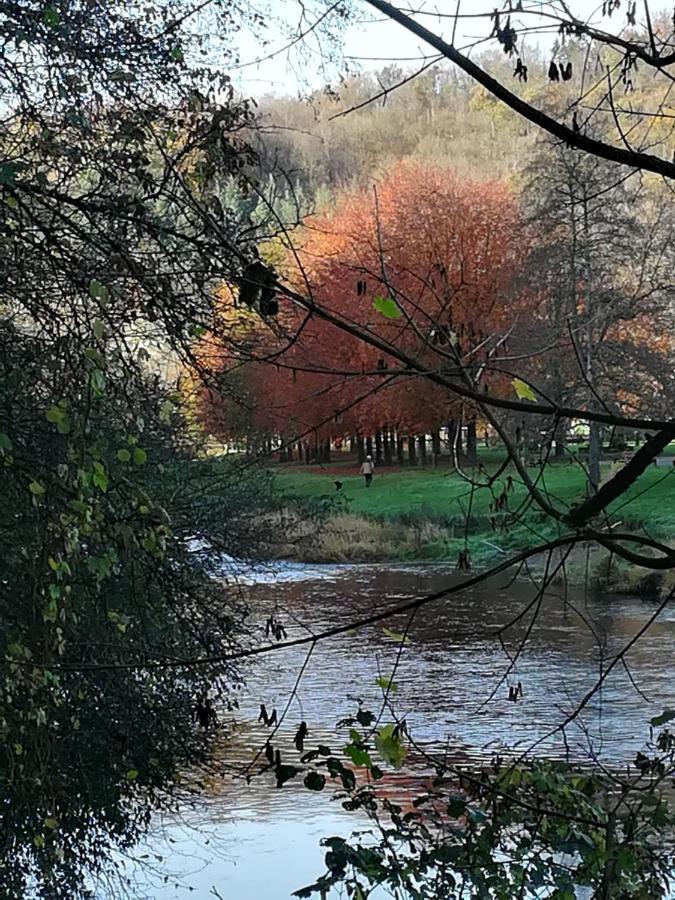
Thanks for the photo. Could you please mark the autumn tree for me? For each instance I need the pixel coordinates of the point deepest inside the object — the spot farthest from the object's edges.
(604, 257)
(422, 259)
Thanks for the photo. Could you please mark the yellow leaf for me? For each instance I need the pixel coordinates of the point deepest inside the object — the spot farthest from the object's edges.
(523, 390)
(395, 636)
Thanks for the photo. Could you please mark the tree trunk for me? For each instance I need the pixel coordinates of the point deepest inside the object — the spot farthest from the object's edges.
(422, 443)
(388, 437)
(471, 443)
(360, 448)
(436, 445)
(289, 453)
(399, 449)
(283, 454)
(325, 451)
(595, 434)
(378, 446)
(308, 453)
(369, 446)
(412, 458)
(594, 450)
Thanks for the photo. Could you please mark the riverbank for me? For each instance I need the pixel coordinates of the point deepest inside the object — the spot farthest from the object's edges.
(433, 514)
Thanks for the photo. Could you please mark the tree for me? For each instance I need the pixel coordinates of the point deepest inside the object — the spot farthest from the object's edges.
(604, 256)
(111, 247)
(424, 260)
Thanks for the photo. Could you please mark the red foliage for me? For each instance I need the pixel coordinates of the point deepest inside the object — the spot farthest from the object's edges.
(447, 251)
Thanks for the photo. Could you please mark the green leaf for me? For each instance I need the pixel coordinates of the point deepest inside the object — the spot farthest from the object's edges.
(8, 172)
(97, 381)
(358, 755)
(98, 290)
(51, 822)
(165, 411)
(58, 416)
(315, 781)
(36, 488)
(666, 716)
(387, 307)
(50, 612)
(123, 455)
(99, 478)
(390, 747)
(51, 16)
(177, 54)
(5, 441)
(140, 456)
(523, 390)
(132, 775)
(98, 328)
(95, 356)
(395, 636)
(54, 414)
(387, 684)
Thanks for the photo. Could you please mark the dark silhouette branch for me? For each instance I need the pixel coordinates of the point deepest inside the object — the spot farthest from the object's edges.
(609, 539)
(623, 479)
(571, 136)
(540, 409)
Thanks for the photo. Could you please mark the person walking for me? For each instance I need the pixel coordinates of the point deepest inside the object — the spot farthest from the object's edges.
(367, 470)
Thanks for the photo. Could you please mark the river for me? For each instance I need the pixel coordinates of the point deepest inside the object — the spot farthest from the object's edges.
(253, 842)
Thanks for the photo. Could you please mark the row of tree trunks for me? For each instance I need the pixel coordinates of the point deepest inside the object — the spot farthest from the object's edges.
(303, 451)
(387, 446)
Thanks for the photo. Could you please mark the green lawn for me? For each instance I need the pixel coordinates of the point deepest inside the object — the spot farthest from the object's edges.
(443, 496)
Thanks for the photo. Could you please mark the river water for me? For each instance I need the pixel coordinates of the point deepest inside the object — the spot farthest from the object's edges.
(252, 842)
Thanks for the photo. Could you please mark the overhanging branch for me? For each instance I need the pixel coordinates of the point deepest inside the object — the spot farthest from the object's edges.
(634, 158)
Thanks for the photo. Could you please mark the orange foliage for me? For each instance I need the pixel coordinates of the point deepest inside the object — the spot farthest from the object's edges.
(446, 251)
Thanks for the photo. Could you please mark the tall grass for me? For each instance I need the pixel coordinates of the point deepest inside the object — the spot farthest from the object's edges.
(432, 512)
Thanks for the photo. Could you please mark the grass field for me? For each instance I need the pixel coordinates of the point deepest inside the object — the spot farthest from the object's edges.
(413, 498)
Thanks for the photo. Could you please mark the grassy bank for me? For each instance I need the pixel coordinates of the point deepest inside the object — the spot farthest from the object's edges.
(429, 513)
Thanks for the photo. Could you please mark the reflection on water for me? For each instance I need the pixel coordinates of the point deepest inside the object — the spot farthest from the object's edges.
(253, 842)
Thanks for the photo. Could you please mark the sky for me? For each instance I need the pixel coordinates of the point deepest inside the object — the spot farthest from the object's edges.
(371, 42)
